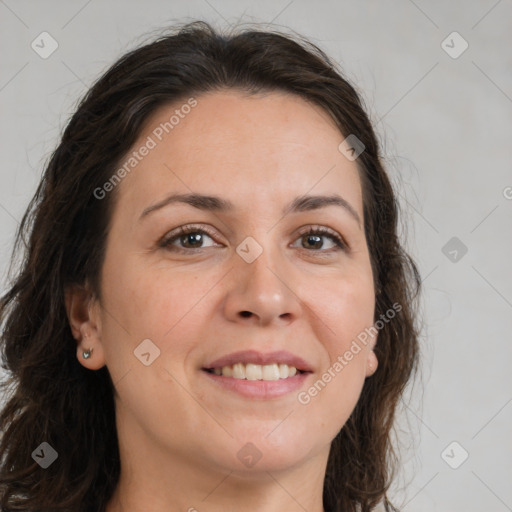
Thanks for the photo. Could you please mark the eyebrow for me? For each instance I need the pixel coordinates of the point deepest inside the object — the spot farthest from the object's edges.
(218, 204)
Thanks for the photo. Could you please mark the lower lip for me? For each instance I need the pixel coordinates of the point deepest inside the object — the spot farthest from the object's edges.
(263, 389)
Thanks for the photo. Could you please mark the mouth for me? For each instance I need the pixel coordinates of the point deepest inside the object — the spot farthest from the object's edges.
(257, 375)
(250, 371)
(254, 365)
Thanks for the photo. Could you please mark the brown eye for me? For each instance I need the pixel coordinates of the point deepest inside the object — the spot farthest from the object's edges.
(192, 240)
(313, 239)
(187, 239)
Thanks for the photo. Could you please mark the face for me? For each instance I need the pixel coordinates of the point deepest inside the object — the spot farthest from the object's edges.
(261, 276)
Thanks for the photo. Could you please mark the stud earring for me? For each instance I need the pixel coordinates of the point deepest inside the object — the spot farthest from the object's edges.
(86, 354)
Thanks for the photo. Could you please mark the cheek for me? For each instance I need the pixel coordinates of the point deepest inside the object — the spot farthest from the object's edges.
(346, 306)
(166, 306)
(345, 311)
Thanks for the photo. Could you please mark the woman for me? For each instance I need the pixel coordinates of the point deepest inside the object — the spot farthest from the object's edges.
(214, 311)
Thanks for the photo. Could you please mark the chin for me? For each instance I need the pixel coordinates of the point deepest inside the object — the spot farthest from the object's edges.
(255, 454)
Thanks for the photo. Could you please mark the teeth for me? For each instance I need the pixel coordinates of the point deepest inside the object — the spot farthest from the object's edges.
(238, 371)
(271, 372)
(251, 371)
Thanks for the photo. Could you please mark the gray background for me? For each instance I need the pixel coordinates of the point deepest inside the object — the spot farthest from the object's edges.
(445, 125)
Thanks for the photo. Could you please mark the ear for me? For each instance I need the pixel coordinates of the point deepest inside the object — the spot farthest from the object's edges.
(371, 361)
(84, 319)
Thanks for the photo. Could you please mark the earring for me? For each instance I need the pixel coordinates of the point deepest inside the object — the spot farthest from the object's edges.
(86, 354)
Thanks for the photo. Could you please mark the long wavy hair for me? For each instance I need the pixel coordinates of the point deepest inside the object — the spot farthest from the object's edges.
(50, 397)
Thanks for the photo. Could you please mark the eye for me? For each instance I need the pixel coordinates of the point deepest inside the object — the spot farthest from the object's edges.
(186, 239)
(311, 238)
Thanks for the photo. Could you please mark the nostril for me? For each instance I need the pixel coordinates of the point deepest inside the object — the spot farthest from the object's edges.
(245, 313)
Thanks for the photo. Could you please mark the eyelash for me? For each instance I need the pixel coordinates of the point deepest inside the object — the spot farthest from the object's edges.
(167, 240)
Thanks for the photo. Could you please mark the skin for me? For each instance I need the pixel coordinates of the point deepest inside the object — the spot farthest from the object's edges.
(179, 435)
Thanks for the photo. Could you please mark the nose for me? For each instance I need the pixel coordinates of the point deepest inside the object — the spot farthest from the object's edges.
(262, 292)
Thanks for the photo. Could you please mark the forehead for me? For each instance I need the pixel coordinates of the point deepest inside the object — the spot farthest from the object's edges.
(264, 147)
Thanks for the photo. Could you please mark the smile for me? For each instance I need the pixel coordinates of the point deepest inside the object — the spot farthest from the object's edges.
(250, 371)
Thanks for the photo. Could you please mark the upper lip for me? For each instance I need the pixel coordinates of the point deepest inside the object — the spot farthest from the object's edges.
(255, 357)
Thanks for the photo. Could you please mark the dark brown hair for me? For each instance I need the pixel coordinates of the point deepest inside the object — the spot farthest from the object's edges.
(51, 397)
